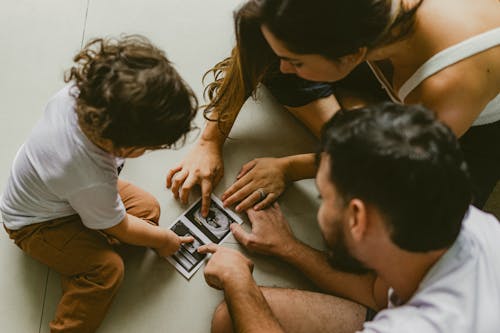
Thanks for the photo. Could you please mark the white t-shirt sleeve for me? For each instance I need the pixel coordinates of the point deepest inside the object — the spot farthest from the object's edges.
(406, 319)
(99, 206)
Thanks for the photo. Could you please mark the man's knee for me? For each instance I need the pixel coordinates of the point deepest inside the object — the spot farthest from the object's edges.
(221, 322)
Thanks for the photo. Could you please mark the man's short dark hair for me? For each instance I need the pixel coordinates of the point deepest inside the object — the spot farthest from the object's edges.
(129, 92)
(406, 163)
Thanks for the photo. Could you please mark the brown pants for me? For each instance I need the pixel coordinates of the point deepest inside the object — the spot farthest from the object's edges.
(91, 271)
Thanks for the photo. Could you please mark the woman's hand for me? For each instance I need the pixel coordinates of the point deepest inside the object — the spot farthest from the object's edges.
(259, 183)
(204, 166)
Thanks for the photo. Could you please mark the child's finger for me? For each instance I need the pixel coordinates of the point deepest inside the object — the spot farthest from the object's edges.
(208, 248)
(186, 239)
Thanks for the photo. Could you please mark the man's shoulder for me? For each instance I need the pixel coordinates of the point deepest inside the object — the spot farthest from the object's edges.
(471, 258)
(461, 289)
(410, 319)
(484, 229)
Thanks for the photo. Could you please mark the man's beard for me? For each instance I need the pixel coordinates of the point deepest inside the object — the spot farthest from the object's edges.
(339, 258)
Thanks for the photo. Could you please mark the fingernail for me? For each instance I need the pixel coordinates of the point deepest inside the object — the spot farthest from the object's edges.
(238, 209)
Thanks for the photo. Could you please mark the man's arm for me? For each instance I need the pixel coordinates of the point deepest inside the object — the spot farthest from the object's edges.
(249, 309)
(230, 271)
(314, 265)
(272, 235)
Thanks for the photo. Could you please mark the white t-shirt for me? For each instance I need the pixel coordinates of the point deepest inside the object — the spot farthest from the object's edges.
(59, 172)
(461, 292)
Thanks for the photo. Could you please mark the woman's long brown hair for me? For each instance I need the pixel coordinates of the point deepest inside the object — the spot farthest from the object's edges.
(332, 28)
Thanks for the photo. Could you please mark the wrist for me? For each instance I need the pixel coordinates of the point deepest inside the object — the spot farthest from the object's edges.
(237, 281)
(166, 238)
(286, 165)
(212, 135)
(291, 251)
(298, 167)
(211, 144)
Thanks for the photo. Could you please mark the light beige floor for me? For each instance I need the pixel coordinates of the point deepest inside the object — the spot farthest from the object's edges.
(38, 42)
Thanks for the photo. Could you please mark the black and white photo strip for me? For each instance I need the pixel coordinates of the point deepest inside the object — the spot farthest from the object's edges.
(212, 229)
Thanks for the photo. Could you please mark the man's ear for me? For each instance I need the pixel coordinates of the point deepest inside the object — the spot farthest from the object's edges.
(357, 220)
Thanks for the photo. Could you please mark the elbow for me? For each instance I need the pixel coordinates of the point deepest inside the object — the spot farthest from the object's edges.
(118, 230)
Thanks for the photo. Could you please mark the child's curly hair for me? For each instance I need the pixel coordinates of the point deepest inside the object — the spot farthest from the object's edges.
(129, 92)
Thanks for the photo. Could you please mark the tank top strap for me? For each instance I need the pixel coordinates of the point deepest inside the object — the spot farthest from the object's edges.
(386, 85)
(450, 56)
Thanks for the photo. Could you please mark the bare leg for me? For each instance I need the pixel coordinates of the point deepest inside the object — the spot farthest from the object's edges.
(300, 311)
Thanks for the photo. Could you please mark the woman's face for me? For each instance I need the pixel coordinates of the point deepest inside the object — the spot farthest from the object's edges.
(313, 67)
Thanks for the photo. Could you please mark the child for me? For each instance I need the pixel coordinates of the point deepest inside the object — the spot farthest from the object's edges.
(64, 202)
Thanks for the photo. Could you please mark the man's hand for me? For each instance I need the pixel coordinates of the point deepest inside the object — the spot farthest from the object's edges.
(225, 266)
(271, 233)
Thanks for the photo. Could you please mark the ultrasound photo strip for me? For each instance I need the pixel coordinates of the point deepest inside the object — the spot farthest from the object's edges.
(212, 229)
(216, 225)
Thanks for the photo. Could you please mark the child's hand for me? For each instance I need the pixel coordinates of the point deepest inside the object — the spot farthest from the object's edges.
(173, 244)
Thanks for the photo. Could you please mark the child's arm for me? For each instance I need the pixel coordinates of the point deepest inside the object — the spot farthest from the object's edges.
(133, 230)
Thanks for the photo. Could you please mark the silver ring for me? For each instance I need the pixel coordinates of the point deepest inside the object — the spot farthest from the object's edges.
(262, 193)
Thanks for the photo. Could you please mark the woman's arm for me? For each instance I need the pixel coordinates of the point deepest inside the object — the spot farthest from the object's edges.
(271, 175)
(203, 165)
(315, 114)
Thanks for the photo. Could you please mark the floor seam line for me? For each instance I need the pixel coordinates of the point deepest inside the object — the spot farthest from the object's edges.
(43, 301)
(85, 23)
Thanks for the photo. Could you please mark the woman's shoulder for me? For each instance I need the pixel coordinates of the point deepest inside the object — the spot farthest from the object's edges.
(441, 24)
(456, 60)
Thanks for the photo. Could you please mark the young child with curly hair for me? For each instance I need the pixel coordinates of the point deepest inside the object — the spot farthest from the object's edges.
(64, 204)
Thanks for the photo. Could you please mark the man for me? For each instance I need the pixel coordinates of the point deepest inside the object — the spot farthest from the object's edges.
(401, 235)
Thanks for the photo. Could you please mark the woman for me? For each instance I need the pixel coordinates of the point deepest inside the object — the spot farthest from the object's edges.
(422, 51)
